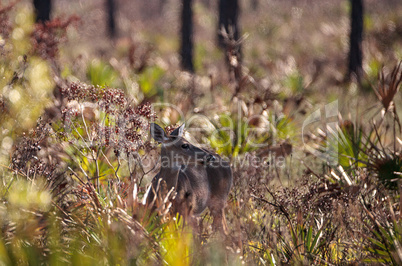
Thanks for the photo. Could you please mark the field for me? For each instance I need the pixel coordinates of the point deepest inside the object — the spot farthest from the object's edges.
(316, 157)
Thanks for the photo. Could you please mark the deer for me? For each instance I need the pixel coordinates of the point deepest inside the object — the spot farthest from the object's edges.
(201, 179)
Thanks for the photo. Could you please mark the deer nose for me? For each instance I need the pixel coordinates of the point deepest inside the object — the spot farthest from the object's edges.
(210, 158)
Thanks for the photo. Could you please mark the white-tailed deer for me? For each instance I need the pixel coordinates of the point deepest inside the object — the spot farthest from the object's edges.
(201, 179)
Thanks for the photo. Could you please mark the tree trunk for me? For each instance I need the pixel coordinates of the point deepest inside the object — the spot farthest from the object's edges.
(42, 10)
(186, 50)
(111, 22)
(356, 37)
(228, 19)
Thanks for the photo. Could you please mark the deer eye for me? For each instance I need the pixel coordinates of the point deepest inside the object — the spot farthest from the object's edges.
(185, 146)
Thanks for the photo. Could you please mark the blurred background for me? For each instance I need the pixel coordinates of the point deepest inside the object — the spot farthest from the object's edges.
(295, 53)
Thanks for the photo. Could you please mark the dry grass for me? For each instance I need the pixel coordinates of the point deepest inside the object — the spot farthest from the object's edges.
(73, 186)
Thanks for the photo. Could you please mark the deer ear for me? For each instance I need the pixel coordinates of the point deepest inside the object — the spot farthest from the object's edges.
(178, 131)
(158, 133)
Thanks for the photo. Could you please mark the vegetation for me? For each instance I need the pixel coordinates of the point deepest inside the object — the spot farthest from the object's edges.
(76, 158)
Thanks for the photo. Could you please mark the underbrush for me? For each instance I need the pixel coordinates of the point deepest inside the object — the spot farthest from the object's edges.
(75, 189)
(73, 185)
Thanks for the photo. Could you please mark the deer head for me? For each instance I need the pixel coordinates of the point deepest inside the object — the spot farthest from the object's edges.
(176, 150)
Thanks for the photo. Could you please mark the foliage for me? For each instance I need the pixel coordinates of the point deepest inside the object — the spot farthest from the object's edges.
(101, 74)
(76, 157)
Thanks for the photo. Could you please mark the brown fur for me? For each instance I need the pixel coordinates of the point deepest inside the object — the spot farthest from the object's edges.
(202, 179)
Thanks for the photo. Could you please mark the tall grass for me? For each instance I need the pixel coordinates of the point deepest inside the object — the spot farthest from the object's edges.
(74, 181)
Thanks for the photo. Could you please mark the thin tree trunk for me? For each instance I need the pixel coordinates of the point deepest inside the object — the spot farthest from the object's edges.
(186, 50)
(228, 19)
(111, 22)
(42, 10)
(356, 37)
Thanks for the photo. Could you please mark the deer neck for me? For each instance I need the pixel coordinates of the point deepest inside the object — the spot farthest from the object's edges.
(170, 168)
